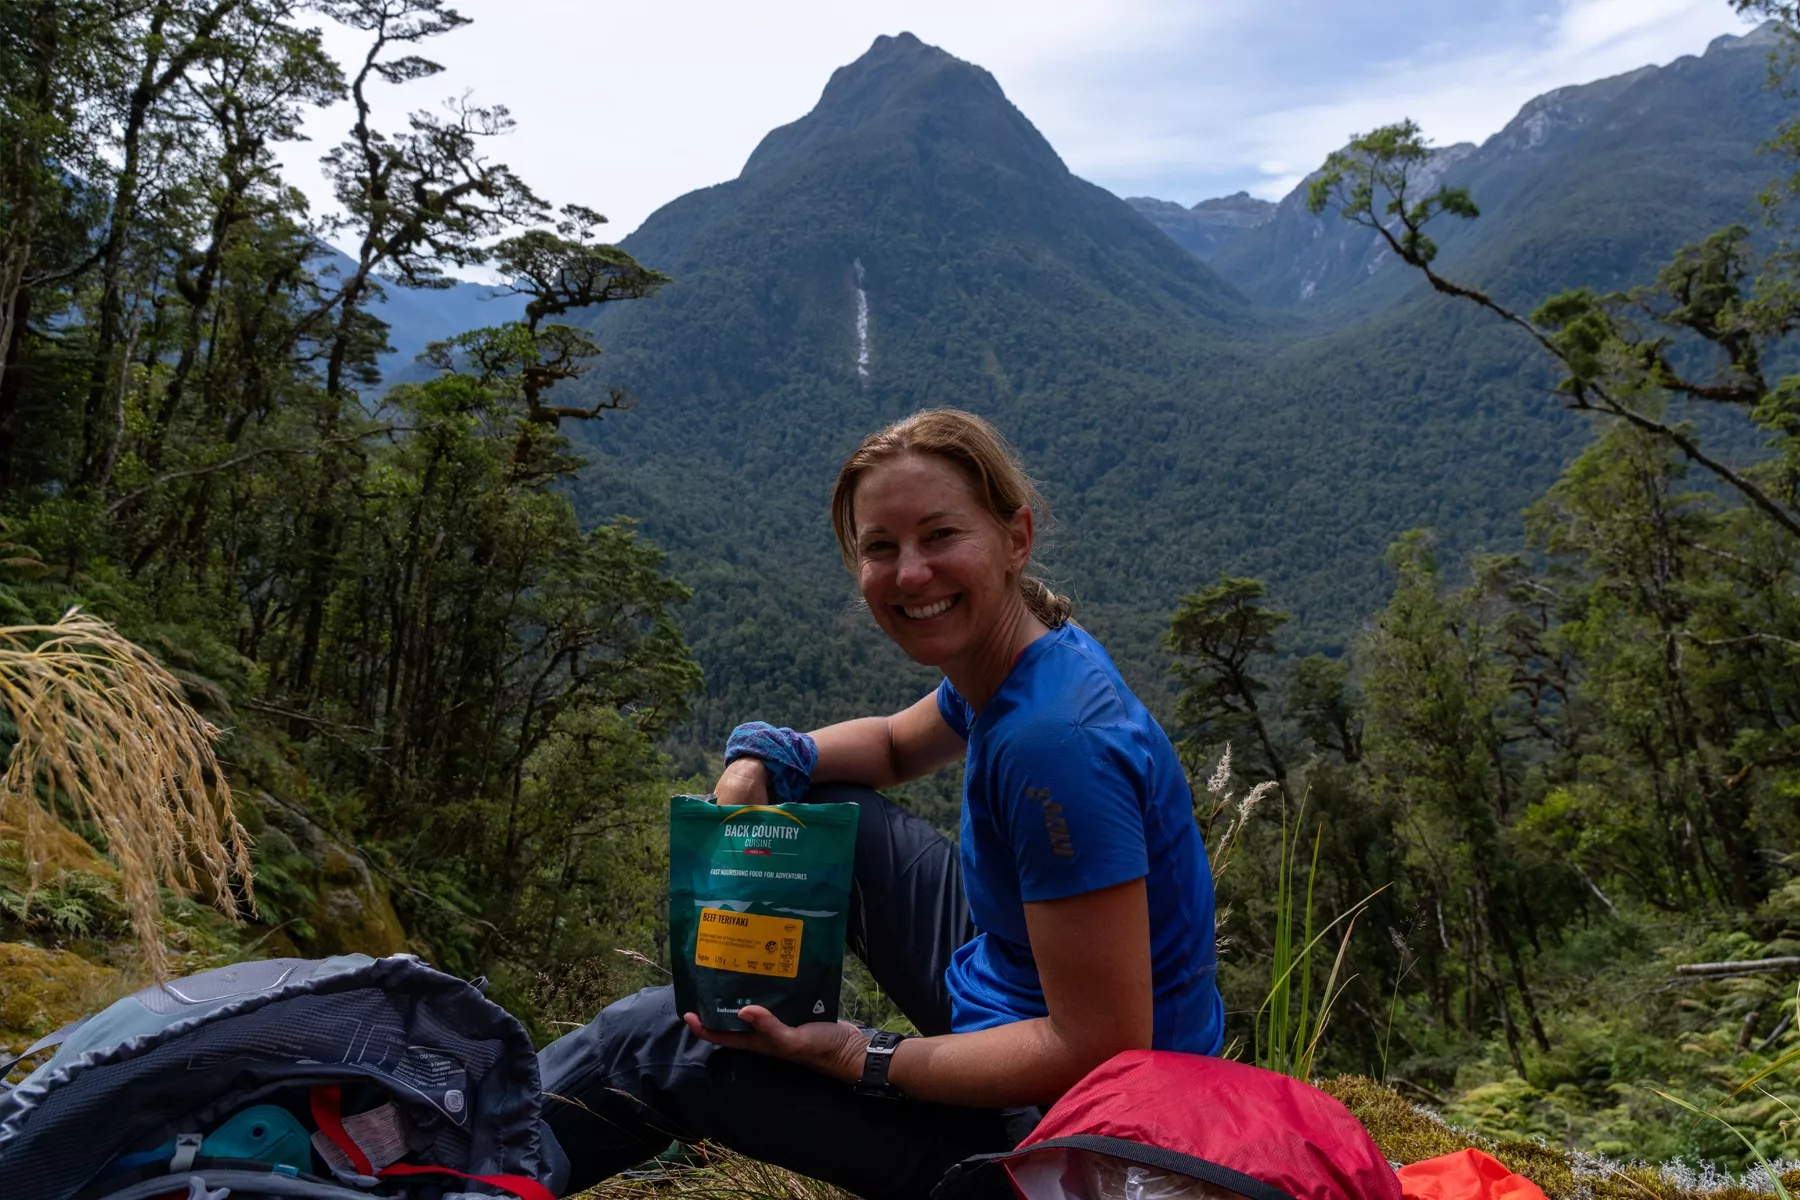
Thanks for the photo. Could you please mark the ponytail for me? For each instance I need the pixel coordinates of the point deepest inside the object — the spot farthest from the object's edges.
(1047, 606)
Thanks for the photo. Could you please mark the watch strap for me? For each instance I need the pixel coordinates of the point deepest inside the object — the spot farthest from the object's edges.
(877, 1059)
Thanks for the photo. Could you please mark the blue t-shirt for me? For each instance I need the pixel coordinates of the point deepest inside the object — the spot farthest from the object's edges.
(1071, 786)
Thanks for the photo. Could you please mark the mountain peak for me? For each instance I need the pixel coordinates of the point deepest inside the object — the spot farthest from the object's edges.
(1765, 35)
(1208, 225)
(1247, 208)
(902, 79)
(902, 43)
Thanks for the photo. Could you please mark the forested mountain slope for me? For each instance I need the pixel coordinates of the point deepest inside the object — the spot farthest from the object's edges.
(1179, 434)
(992, 278)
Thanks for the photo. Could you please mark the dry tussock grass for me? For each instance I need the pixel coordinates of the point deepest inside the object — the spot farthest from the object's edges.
(716, 1174)
(103, 730)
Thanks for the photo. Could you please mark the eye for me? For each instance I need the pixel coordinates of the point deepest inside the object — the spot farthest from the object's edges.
(877, 548)
(940, 533)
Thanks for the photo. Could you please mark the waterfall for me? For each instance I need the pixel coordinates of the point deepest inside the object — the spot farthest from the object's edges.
(862, 323)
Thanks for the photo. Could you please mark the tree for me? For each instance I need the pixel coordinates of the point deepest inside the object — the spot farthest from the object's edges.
(168, 39)
(1657, 640)
(253, 93)
(419, 201)
(1618, 353)
(1222, 629)
(57, 55)
(562, 272)
(1684, 631)
(1320, 702)
(385, 597)
(1438, 737)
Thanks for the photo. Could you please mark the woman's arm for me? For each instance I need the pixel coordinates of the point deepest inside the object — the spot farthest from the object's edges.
(1093, 958)
(879, 752)
(875, 751)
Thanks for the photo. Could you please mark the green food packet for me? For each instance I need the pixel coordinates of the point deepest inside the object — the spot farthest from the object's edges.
(759, 898)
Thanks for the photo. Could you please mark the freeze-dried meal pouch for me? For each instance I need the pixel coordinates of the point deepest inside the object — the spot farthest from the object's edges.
(758, 903)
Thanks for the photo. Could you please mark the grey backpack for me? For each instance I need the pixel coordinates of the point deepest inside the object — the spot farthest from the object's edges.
(345, 1077)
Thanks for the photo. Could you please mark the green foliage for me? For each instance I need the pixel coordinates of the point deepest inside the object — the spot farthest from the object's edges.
(1324, 707)
(72, 905)
(432, 673)
(1288, 1034)
(1573, 743)
(1373, 183)
(1213, 635)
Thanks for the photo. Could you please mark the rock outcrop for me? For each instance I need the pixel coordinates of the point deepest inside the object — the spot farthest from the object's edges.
(350, 911)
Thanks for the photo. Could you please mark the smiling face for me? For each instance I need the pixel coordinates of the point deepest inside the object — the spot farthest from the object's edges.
(938, 570)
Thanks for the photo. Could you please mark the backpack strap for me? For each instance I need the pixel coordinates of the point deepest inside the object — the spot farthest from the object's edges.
(327, 1104)
(48, 1041)
(327, 1113)
(1171, 1161)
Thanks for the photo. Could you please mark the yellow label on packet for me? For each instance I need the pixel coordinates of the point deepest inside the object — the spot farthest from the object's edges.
(746, 942)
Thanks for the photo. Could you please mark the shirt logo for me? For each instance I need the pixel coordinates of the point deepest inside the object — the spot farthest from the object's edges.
(1055, 824)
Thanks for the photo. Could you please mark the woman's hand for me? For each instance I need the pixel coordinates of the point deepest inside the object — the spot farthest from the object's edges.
(833, 1048)
(745, 781)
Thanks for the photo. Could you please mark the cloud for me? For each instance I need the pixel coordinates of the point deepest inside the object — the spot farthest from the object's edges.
(1259, 114)
(626, 106)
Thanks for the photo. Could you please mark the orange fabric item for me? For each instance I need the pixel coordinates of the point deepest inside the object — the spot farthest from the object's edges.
(1465, 1175)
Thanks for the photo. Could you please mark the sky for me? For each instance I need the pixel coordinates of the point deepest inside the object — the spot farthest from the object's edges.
(625, 106)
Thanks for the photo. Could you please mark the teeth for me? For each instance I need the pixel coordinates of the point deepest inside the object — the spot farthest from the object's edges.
(929, 611)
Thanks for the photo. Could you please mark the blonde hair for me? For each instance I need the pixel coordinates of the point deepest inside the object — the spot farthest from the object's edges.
(985, 459)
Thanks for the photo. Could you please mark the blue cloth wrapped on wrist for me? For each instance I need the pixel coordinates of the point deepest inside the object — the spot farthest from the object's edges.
(788, 754)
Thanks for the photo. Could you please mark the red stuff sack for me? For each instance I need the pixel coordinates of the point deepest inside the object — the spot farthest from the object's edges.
(1465, 1175)
(1157, 1125)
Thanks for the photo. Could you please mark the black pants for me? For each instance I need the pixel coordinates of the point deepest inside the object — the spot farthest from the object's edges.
(622, 1087)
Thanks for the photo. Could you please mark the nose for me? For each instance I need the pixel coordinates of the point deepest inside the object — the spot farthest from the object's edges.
(912, 571)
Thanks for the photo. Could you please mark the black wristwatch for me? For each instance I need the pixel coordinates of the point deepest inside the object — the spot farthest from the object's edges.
(876, 1061)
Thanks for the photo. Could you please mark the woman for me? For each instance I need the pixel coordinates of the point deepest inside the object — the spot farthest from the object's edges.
(1076, 922)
